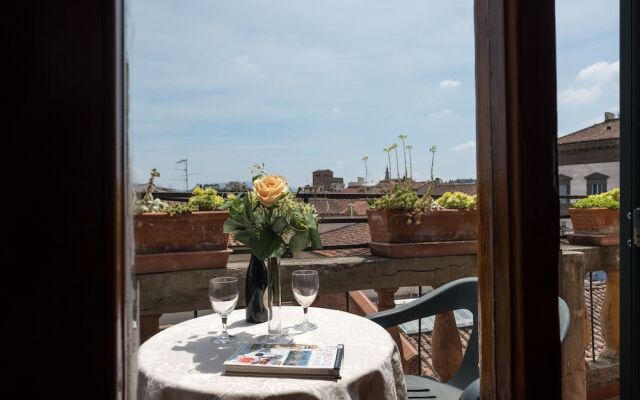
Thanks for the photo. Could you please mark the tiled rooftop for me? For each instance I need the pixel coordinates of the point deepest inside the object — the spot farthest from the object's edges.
(356, 233)
(609, 129)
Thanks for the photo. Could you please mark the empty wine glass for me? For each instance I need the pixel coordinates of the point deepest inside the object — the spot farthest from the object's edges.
(305, 285)
(223, 295)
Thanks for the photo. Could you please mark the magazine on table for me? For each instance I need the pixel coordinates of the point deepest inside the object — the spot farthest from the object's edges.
(286, 360)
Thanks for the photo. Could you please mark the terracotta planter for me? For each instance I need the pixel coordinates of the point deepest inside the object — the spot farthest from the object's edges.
(595, 221)
(595, 226)
(391, 226)
(440, 232)
(184, 241)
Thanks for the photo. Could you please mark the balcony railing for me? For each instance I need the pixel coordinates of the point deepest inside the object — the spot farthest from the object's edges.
(346, 276)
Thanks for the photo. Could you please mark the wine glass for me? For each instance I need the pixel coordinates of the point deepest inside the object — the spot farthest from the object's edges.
(223, 295)
(305, 285)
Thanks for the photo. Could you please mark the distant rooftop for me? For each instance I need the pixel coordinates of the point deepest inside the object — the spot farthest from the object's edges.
(609, 129)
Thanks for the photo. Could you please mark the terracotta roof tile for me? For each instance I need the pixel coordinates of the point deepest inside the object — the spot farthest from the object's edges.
(351, 234)
(603, 131)
(354, 233)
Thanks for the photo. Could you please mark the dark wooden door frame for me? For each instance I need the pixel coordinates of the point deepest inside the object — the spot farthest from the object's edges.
(64, 82)
(517, 190)
(630, 198)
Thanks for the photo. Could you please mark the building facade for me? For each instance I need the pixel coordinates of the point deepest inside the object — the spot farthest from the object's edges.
(323, 178)
(589, 160)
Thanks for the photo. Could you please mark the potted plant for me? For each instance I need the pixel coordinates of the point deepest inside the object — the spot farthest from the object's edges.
(179, 236)
(403, 224)
(272, 223)
(596, 219)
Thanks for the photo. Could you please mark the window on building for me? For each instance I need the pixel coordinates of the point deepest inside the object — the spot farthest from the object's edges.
(564, 187)
(596, 183)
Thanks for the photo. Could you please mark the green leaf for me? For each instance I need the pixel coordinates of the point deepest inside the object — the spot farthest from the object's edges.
(247, 207)
(314, 237)
(232, 226)
(266, 244)
(298, 241)
(246, 237)
(279, 225)
(312, 222)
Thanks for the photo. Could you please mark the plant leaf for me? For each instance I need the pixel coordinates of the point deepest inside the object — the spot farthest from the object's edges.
(298, 241)
(264, 246)
(314, 237)
(232, 226)
(246, 237)
(279, 224)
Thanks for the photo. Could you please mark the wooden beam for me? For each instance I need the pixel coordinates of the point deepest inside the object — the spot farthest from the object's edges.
(517, 191)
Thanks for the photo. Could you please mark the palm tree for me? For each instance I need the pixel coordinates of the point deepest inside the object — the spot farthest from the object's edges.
(409, 147)
(433, 156)
(402, 137)
(394, 147)
(366, 172)
(388, 151)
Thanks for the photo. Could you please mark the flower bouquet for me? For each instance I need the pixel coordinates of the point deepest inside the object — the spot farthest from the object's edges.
(271, 222)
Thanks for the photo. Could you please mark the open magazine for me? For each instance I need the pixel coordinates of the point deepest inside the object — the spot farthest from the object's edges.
(286, 360)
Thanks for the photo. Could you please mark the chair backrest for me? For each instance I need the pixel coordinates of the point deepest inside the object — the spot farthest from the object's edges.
(467, 293)
(472, 392)
(459, 294)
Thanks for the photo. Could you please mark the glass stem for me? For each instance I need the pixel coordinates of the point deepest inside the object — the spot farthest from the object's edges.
(224, 327)
(306, 318)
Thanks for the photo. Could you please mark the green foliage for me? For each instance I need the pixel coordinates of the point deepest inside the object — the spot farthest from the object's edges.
(610, 200)
(286, 227)
(180, 208)
(205, 199)
(148, 203)
(201, 200)
(401, 197)
(456, 200)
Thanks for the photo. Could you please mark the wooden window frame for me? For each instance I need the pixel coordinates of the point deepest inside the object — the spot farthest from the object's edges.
(517, 174)
(67, 85)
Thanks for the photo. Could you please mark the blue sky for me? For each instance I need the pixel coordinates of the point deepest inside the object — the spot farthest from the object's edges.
(306, 85)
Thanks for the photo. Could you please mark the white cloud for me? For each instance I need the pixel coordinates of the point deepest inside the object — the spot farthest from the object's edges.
(338, 166)
(600, 72)
(579, 96)
(336, 113)
(449, 84)
(471, 144)
(441, 113)
(243, 62)
(595, 77)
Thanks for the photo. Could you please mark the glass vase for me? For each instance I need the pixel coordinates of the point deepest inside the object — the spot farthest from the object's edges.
(274, 298)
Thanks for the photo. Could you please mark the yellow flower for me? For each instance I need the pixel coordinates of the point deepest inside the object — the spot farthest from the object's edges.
(269, 189)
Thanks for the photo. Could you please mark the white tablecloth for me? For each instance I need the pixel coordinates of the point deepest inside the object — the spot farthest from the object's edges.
(181, 362)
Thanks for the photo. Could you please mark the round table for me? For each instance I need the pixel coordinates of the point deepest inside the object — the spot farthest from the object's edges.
(181, 362)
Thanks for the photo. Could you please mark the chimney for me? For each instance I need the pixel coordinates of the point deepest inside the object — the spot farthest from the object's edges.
(609, 116)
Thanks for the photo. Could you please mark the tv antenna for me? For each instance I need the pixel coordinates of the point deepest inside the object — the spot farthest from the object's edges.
(186, 173)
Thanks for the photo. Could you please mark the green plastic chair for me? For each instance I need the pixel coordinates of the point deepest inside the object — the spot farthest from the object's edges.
(459, 294)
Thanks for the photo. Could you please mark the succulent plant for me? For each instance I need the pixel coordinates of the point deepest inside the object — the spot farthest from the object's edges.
(456, 200)
(205, 199)
(403, 197)
(610, 200)
(148, 203)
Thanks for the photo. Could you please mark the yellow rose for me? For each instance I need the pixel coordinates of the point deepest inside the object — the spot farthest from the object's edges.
(269, 189)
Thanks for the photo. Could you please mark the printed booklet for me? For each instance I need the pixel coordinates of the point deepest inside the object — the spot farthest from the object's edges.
(286, 360)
